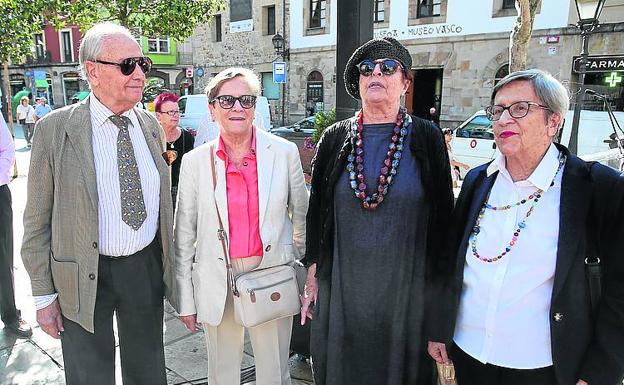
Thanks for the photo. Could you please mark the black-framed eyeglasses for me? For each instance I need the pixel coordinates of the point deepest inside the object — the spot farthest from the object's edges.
(516, 110)
(386, 66)
(128, 65)
(227, 101)
(170, 113)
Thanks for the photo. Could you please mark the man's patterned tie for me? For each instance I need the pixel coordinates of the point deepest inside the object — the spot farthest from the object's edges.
(132, 205)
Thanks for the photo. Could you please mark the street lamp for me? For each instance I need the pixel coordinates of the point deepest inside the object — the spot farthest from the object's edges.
(588, 13)
(279, 46)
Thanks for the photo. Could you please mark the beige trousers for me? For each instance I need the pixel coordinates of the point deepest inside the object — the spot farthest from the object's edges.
(270, 343)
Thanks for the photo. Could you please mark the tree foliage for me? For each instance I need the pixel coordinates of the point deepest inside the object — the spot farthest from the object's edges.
(23, 18)
(322, 120)
(521, 33)
(174, 18)
(19, 21)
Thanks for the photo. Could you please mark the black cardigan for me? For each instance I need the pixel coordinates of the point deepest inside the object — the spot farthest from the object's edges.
(427, 145)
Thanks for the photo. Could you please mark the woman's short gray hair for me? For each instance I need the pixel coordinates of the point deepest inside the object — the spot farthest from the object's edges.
(93, 42)
(549, 90)
(250, 77)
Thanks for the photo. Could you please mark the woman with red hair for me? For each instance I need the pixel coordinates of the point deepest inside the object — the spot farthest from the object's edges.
(179, 141)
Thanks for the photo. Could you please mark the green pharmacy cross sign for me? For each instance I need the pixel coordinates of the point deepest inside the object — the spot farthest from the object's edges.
(613, 79)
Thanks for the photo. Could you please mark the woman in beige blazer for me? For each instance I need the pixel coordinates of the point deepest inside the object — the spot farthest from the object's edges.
(262, 198)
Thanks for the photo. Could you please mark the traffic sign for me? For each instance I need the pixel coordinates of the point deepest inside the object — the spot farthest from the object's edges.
(279, 72)
(189, 72)
(199, 72)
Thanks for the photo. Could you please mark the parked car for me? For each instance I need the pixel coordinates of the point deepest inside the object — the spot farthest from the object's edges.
(297, 133)
(193, 109)
(473, 141)
(301, 129)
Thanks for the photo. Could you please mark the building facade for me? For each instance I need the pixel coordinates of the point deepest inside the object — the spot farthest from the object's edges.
(242, 35)
(459, 50)
(53, 68)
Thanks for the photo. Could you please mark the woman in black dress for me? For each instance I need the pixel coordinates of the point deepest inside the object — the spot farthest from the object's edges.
(179, 141)
(380, 203)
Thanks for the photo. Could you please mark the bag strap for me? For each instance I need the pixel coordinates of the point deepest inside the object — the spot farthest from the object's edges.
(221, 234)
(593, 267)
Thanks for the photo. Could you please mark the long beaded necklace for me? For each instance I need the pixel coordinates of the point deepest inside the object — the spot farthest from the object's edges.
(355, 160)
(535, 197)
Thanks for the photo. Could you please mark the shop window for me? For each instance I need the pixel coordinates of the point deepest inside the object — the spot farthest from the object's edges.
(270, 90)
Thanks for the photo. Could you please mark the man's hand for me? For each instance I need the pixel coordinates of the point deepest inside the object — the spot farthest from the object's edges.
(437, 351)
(190, 321)
(50, 319)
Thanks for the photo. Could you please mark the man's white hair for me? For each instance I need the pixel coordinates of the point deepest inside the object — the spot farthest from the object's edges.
(93, 42)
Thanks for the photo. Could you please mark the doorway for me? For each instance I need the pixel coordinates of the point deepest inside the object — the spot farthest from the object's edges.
(425, 92)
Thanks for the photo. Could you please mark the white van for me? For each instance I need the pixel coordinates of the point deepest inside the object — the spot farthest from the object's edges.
(193, 109)
(473, 141)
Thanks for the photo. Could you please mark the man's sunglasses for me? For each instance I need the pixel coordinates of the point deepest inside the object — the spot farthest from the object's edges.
(128, 65)
(227, 101)
(386, 66)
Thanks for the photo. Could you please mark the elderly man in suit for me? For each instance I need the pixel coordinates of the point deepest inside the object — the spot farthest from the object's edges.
(533, 233)
(98, 220)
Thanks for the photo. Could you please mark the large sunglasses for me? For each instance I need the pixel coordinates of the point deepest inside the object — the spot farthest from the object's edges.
(516, 110)
(227, 101)
(128, 65)
(386, 66)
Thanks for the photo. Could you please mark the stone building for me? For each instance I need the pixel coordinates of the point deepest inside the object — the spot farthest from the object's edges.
(242, 35)
(459, 49)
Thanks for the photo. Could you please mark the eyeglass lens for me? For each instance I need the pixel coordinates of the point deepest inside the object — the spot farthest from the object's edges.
(228, 101)
(387, 67)
(516, 110)
(128, 65)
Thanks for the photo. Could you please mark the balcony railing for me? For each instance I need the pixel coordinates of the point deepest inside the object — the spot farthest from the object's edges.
(39, 58)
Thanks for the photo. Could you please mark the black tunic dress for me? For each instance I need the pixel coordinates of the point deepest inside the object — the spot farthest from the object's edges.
(369, 316)
(181, 146)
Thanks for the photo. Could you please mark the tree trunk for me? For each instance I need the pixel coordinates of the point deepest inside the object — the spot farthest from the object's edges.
(7, 93)
(521, 34)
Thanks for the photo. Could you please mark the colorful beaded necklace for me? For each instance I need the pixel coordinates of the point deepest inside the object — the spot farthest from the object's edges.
(355, 160)
(535, 197)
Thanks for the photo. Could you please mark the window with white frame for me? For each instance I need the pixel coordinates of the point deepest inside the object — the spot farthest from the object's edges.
(67, 52)
(429, 8)
(158, 45)
(39, 46)
(317, 13)
(379, 12)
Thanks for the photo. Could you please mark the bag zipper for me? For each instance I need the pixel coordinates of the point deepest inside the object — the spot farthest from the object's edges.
(252, 292)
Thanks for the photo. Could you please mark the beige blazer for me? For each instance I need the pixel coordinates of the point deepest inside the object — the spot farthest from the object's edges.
(60, 249)
(283, 201)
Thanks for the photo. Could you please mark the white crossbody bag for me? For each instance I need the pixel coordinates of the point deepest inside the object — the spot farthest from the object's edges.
(260, 295)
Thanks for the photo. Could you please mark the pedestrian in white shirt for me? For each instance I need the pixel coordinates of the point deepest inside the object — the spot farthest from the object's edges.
(26, 118)
(534, 232)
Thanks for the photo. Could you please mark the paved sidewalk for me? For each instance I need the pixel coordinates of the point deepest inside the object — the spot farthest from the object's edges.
(39, 360)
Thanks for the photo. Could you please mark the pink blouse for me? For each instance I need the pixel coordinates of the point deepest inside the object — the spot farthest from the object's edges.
(243, 206)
